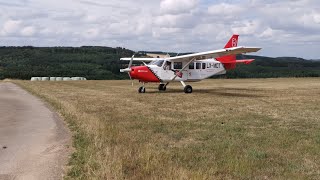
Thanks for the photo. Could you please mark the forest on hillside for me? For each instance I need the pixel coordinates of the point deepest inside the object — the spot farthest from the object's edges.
(90, 62)
(97, 63)
(267, 67)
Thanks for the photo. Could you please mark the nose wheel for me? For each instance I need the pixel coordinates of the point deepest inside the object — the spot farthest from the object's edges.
(142, 89)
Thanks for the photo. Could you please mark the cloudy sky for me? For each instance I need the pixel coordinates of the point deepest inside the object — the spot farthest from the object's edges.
(281, 28)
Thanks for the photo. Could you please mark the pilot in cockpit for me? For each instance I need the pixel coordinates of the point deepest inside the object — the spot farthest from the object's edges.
(167, 66)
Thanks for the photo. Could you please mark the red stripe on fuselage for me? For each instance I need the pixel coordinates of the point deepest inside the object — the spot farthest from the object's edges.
(144, 74)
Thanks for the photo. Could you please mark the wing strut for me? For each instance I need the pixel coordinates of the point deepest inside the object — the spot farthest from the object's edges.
(184, 67)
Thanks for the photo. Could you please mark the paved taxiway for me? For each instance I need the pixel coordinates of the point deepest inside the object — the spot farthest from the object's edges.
(33, 140)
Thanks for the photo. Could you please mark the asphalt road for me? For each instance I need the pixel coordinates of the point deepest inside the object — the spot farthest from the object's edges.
(34, 143)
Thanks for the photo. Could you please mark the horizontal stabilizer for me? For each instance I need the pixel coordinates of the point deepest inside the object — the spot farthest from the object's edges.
(244, 61)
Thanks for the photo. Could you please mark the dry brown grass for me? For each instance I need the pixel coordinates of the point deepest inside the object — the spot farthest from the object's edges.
(226, 129)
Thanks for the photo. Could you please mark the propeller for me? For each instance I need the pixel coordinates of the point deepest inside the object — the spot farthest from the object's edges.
(129, 67)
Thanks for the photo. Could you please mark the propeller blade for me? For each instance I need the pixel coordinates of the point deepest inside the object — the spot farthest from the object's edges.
(130, 63)
(125, 70)
(128, 69)
(130, 79)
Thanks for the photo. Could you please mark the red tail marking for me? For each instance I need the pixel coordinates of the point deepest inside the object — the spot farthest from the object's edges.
(229, 62)
(233, 42)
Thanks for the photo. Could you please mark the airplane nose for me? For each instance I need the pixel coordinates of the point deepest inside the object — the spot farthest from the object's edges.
(132, 73)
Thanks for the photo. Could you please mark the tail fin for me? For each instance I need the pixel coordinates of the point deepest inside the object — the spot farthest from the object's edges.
(233, 42)
(229, 62)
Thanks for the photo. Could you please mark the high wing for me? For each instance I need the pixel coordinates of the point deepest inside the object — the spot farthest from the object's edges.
(214, 54)
(141, 59)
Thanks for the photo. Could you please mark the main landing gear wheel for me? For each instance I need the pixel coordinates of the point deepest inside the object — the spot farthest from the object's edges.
(188, 89)
(162, 87)
(142, 89)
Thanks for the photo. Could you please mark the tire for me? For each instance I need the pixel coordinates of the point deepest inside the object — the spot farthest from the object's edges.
(162, 87)
(142, 89)
(188, 89)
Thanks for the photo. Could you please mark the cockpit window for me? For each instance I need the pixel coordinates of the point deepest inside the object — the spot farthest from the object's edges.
(157, 62)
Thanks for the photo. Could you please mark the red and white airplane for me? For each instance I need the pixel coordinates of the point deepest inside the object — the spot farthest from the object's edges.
(187, 68)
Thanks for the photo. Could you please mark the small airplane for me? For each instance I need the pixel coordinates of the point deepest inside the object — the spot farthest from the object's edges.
(187, 68)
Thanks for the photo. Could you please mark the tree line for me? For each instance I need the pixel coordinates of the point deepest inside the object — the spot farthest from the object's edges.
(267, 67)
(98, 63)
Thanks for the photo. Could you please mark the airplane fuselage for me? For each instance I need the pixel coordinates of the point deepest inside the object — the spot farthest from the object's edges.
(164, 71)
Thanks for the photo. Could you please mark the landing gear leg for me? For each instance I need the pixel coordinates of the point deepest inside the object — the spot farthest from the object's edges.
(142, 89)
(187, 88)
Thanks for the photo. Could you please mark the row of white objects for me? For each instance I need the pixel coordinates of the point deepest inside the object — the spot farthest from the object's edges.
(58, 79)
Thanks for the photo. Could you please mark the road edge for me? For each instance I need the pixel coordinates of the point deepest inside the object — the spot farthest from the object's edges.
(63, 126)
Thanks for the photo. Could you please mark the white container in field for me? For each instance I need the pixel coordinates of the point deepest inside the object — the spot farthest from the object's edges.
(84, 79)
(35, 79)
(45, 79)
(76, 78)
(59, 78)
(66, 79)
(52, 78)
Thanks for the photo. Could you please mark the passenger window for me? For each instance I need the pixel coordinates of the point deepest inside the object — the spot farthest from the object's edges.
(177, 65)
(198, 65)
(203, 65)
(191, 66)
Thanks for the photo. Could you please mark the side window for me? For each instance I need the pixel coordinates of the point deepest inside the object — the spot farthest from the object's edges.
(198, 65)
(191, 66)
(203, 65)
(177, 65)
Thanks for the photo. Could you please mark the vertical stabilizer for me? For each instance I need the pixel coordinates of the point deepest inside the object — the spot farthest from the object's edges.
(229, 62)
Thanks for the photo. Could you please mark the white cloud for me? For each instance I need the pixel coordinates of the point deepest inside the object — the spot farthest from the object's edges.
(169, 25)
(225, 9)
(316, 18)
(28, 31)
(91, 33)
(311, 20)
(177, 6)
(10, 27)
(267, 33)
(159, 32)
(177, 21)
(247, 27)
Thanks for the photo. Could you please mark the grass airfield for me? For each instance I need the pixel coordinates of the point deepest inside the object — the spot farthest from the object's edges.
(225, 129)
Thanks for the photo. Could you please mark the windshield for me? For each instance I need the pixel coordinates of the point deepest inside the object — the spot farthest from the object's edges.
(157, 62)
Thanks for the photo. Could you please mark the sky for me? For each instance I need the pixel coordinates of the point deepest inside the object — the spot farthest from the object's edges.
(281, 28)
